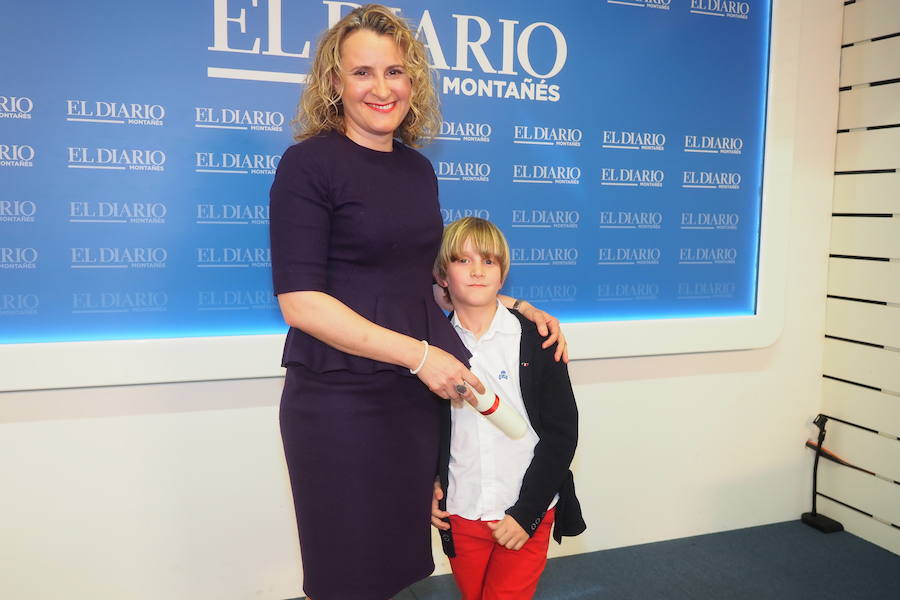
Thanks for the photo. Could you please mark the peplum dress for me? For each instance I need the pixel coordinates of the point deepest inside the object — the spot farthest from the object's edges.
(360, 436)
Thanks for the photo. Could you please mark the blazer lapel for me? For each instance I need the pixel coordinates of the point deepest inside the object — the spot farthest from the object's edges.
(527, 346)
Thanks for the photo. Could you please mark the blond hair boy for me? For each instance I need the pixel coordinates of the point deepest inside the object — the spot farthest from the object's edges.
(503, 496)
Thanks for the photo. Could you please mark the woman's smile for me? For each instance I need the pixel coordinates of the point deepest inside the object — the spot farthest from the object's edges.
(383, 108)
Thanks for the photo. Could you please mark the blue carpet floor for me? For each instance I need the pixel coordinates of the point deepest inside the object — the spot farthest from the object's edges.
(781, 561)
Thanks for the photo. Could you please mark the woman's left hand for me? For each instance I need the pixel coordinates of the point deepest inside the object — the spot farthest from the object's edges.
(547, 324)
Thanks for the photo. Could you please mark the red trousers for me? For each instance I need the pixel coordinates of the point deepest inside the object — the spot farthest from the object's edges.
(485, 570)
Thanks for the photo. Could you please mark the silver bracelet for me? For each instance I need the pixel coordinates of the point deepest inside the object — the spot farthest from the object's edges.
(421, 362)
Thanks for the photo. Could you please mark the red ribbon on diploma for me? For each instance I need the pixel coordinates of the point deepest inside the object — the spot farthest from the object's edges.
(493, 407)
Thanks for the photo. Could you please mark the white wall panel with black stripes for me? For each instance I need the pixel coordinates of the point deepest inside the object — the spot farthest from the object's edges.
(862, 350)
(867, 192)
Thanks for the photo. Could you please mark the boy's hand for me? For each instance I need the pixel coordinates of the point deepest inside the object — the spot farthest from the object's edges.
(508, 533)
(437, 515)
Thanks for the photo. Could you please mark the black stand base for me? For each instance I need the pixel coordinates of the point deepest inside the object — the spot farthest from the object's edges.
(821, 522)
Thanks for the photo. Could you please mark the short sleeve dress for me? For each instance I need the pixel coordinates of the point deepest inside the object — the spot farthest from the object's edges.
(360, 436)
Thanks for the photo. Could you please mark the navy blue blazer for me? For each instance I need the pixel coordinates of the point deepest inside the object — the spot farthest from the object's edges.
(550, 404)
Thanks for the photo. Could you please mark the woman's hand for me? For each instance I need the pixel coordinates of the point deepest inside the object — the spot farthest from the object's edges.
(547, 323)
(442, 373)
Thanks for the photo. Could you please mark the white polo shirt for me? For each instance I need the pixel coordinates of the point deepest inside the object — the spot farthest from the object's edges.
(486, 467)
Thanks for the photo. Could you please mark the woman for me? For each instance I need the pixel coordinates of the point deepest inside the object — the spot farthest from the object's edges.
(355, 226)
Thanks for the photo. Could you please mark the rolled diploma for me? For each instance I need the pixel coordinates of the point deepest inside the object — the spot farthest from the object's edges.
(503, 416)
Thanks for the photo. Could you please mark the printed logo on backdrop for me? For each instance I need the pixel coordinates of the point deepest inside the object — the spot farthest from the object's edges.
(708, 144)
(454, 214)
(117, 159)
(232, 214)
(515, 58)
(473, 46)
(17, 211)
(704, 290)
(629, 256)
(545, 219)
(623, 177)
(447, 170)
(16, 155)
(707, 256)
(14, 305)
(545, 293)
(633, 140)
(624, 292)
(120, 302)
(658, 4)
(711, 180)
(120, 113)
(234, 258)
(107, 211)
(256, 299)
(547, 136)
(264, 37)
(18, 259)
(710, 220)
(560, 174)
(206, 117)
(543, 256)
(118, 258)
(733, 9)
(625, 219)
(464, 131)
(16, 107)
(235, 163)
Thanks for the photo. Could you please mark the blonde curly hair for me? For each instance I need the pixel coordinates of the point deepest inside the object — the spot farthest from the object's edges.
(320, 108)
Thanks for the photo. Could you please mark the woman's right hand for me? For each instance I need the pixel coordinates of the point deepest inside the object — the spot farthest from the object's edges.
(442, 372)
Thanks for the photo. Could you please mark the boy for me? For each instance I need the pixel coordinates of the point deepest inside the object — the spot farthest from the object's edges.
(503, 495)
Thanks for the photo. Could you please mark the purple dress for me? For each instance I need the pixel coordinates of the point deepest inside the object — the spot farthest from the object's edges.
(360, 436)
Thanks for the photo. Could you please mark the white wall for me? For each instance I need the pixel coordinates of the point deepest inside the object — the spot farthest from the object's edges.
(178, 491)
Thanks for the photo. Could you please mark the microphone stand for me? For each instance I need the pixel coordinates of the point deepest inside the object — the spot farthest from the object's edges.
(814, 519)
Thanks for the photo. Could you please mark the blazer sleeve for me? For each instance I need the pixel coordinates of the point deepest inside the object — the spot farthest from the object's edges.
(556, 422)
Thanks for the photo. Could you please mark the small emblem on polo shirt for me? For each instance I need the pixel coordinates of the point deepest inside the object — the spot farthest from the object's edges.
(502, 375)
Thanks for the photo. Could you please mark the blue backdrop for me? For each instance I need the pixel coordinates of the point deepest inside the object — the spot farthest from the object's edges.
(617, 143)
